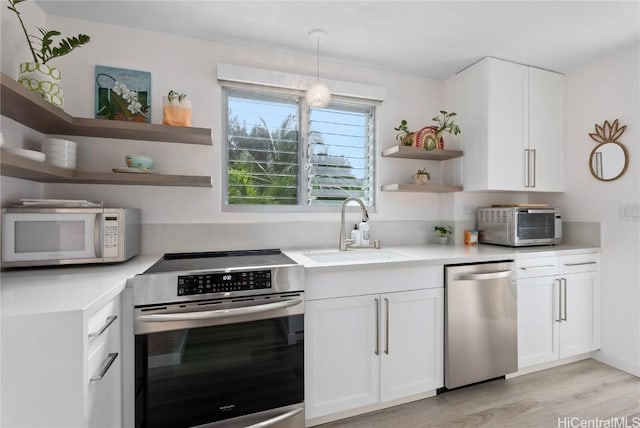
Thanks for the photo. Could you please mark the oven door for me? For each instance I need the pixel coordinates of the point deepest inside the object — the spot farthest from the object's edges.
(220, 363)
(535, 227)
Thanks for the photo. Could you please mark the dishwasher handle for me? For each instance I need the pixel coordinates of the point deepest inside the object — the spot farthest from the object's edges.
(482, 276)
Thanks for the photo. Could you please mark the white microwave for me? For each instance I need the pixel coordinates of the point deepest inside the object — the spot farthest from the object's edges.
(56, 236)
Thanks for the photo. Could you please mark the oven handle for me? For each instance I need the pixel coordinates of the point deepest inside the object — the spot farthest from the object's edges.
(275, 420)
(219, 313)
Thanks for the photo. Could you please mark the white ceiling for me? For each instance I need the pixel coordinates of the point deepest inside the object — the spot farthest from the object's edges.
(433, 39)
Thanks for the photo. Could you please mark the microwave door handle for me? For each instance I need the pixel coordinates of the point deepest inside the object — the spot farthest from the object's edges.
(219, 313)
(97, 239)
(541, 211)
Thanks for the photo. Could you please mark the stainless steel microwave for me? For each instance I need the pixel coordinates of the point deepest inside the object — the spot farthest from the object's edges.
(519, 226)
(57, 236)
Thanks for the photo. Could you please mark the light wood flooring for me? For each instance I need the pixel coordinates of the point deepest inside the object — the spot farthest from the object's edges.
(586, 390)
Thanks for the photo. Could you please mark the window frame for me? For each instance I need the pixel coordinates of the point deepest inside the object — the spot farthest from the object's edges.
(303, 133)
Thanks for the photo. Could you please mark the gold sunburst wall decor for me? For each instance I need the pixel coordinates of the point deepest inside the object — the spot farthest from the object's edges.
(609, 159)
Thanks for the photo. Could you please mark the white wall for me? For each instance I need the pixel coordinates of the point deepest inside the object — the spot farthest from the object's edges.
(608, 89)
(189, 65)
(12, 52)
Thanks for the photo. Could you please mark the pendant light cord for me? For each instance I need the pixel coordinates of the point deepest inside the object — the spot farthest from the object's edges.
(318, 59)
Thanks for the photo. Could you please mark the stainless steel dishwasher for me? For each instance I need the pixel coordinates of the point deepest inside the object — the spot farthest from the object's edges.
(480, 323)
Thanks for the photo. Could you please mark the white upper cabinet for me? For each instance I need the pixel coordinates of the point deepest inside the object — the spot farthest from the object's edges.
(512, 121)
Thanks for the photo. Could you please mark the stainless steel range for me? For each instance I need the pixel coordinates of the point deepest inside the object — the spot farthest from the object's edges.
(219, 341)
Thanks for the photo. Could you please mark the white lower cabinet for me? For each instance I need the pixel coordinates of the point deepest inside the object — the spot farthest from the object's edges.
(558, 307)
(63, 369)
(371, 349)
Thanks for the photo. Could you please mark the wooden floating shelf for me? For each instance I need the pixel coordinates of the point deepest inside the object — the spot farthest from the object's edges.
(407, 152)
(421, 188)
(30, 109)
(19, 167)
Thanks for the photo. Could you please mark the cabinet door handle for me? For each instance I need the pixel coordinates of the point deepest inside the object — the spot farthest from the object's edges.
(110, 320)
(581, 263)
(537, 267)
(377, 352)
(558, 281)
(386, 350)
(526, 167)
(564, 298)
(105, 367)
(533, 168)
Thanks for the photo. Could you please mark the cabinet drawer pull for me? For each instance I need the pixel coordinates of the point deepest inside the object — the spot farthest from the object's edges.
(110, 320)
(537, 267)
(105, 367)
(581, 263)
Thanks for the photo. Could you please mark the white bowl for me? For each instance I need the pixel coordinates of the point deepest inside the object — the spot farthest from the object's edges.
(59, 142)
(68, 164)
(60, 152)
(29, 154)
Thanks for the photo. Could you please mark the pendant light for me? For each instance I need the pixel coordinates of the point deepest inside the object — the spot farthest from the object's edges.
(318, 94)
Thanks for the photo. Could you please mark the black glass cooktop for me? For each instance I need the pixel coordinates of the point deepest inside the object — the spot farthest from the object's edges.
(218, 260)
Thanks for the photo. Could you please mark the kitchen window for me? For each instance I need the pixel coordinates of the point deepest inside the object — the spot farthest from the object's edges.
(282, 155)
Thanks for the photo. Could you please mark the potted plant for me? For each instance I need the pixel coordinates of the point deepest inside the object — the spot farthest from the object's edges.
(38, 75)
(176, 109)
(443, 233)
(421, 176)
(404, 135)
(445, 123)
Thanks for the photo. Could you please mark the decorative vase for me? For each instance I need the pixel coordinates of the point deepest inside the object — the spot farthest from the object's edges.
(442, 240)
(176, 113)
(43, 79)
(426, 138)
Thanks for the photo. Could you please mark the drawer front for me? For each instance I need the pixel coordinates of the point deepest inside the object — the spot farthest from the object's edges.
(104, 399)
(537, 266)
(588, 262)
(102, 323)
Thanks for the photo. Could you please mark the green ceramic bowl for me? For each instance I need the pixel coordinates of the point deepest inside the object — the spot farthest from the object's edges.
(139, 161)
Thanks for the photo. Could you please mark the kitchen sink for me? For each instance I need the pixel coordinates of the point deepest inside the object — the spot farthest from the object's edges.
(354, 256)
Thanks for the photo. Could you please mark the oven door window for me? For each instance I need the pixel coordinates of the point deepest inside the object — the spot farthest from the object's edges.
(201, 375)
(536, 225)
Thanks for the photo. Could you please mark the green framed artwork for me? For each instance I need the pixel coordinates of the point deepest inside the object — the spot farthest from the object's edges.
(123, 94)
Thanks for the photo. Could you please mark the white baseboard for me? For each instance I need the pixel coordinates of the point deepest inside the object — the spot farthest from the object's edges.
(620, 364)
(551, 364)
(366, 409)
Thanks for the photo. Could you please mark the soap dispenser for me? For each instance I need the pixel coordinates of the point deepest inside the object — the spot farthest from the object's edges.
(355, 235)
(364, 233)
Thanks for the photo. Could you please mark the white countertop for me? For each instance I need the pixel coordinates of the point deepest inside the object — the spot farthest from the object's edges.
(69, 288)
(435, 254)
(87, 288)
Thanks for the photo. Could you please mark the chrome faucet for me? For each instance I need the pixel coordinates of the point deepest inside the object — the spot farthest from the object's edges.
(344, 240)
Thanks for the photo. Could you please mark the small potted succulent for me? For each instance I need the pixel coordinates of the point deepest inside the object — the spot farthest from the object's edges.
(443, 233)
(421, 176)
(39, 76)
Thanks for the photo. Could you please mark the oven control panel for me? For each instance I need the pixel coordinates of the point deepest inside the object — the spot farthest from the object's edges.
(217, 282)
